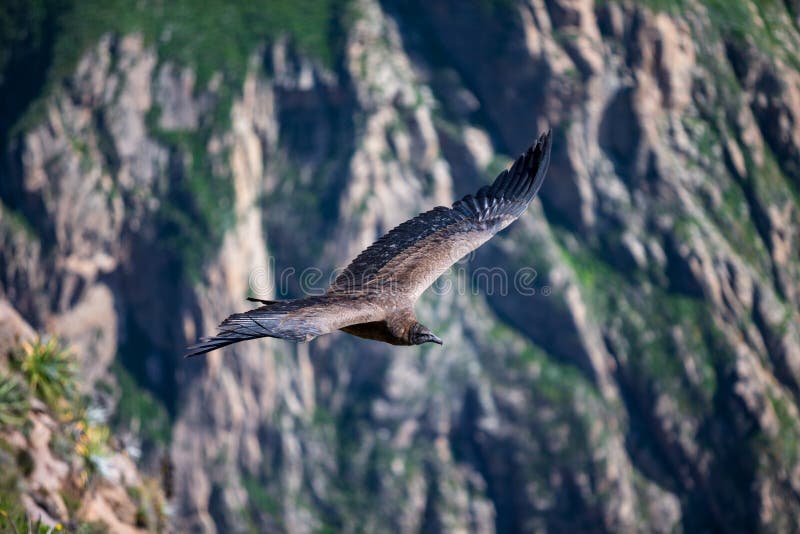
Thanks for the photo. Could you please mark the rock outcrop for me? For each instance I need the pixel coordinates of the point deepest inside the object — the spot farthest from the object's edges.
(60, 468)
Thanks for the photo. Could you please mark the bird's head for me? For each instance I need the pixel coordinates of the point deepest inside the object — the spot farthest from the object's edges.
(420, 334)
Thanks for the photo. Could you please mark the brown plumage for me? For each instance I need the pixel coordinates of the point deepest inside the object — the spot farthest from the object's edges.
(374, 296)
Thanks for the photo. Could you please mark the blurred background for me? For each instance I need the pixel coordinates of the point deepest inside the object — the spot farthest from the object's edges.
(162, 160)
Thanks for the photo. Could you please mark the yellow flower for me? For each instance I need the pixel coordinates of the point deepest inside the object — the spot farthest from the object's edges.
(58, 526)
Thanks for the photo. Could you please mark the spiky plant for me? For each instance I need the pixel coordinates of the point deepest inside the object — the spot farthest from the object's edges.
(48, 369)
(14, 403)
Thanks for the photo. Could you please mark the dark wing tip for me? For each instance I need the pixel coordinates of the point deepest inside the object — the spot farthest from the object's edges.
(514, 188)
(541, 159)
(203, 346)
(543, 146)
(523, 179)
(544, 137)
(208, 344)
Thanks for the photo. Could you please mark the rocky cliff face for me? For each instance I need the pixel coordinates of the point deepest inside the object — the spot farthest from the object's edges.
(648, 378)
(61, 467)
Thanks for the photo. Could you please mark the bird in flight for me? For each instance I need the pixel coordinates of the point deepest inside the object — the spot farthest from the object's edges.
(374, 296)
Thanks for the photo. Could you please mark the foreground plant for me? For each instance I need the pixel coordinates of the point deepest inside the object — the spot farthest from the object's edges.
(14, 403)
(48, 369)
(14, 519)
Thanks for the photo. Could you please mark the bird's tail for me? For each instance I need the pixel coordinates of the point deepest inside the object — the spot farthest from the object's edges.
(280, 319)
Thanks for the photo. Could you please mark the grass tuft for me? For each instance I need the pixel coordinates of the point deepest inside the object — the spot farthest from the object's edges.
(48, 369)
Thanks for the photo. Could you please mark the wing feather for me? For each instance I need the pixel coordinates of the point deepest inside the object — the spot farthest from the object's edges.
(295, 320)
(412, 255)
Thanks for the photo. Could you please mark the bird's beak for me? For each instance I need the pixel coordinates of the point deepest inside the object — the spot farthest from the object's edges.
(435, 339)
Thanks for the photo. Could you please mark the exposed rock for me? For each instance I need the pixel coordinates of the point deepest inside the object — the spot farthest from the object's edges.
(47, 474)
(13, 329)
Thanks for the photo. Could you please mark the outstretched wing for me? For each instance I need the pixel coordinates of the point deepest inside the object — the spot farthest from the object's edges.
(295, 320)
(410, 257)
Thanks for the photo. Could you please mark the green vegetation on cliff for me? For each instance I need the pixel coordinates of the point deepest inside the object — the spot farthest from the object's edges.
(763, 22)
(49, 437)
(217, 42)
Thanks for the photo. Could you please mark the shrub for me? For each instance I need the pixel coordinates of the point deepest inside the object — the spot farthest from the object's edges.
(48, 369)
